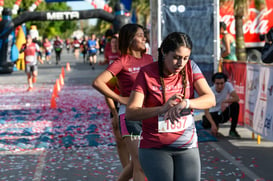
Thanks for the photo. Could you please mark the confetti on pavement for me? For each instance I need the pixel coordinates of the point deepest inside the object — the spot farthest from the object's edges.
(27, 121)
(76, 136)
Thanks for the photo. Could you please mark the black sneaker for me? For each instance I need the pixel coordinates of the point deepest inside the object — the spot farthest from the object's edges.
(234, 134)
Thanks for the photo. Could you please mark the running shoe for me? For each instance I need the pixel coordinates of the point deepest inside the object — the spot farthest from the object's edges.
(234, 134)
(30, 89)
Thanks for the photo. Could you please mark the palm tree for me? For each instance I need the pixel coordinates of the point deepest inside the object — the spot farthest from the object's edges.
(142, 8)
(240, 10)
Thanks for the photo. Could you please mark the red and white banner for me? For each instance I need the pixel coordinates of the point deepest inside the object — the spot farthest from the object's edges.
(237, 76)
(259, 100)
(254, 85)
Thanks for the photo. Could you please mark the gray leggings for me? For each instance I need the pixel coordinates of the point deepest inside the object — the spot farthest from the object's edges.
(167, 164)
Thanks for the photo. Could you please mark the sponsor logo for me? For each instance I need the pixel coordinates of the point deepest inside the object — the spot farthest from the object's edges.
(257, 25)
(267, 123)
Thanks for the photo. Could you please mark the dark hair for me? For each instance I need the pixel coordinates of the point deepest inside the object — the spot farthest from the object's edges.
(126, 36)
(223, 25)
(219, 75)
(109, 33)
(172, 42)
(114, 37)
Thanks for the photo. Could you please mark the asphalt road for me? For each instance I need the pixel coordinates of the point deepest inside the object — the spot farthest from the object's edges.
(95, 159)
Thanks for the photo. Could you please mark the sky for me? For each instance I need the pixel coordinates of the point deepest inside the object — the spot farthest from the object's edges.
(85, 5)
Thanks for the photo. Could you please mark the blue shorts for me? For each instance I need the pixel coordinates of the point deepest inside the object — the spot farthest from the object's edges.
(127, 127)
(48, 53)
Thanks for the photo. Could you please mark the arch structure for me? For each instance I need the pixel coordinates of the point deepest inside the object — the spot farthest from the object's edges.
(7, 26)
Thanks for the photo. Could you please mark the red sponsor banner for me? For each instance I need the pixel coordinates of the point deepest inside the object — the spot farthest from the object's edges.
(237, 76)
(257, 23)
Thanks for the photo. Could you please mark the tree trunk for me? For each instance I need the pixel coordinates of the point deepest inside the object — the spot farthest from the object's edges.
(240, 41)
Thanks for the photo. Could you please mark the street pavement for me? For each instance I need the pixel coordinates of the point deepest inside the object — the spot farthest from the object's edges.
(74, 141)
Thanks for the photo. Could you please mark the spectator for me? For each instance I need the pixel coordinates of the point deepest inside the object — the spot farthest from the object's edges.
(227, 106)
(267, 51)
(228, 44)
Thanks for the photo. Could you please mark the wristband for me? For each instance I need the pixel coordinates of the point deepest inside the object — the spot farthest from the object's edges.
(187, 103)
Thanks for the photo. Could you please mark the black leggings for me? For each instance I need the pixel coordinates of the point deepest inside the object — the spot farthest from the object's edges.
(232, 111)
(58, 56)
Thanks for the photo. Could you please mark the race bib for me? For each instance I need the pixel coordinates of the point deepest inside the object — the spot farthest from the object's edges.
(30, 59)
(165, 126)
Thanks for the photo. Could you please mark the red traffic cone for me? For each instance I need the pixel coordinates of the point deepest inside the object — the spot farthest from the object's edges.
(61, 80)
(53, 104)
(58, 85)
(67, 66)
(63, 73)
(55, 91)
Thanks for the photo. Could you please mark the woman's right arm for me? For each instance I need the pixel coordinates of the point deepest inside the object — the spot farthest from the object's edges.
(100, 83)
(136, 112)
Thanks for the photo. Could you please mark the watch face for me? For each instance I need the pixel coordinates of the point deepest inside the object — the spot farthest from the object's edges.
(185, 112)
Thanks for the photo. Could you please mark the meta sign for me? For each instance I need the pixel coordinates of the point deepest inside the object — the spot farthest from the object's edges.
(63, 15)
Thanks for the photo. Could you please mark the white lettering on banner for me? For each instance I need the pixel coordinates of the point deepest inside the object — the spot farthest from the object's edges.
(239, 89)
(258, 25)
(62, 15)
(165, 126)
